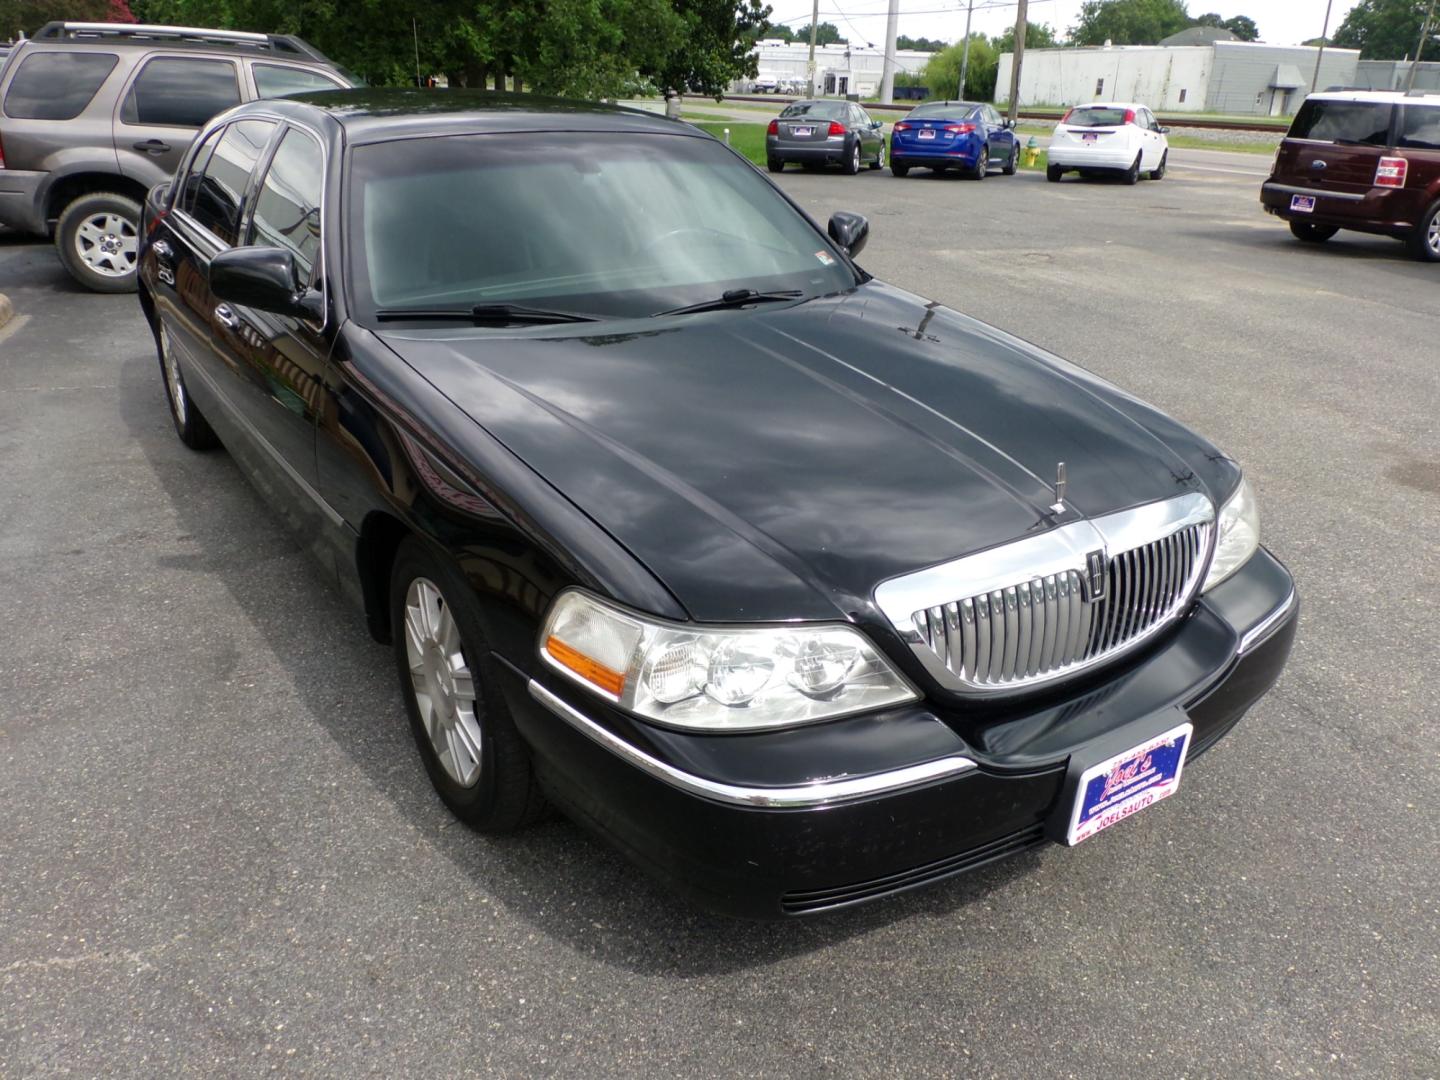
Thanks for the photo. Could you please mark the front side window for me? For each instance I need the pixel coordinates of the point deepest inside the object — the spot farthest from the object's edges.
(181, 92)
(275, 80)
(1362, 122)
(603, 224)
(1420, 127)
(227, 175)
(56, 85)
(287, 207)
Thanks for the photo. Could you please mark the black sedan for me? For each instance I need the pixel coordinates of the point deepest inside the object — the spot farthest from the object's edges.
(820, 133)
(798, 588)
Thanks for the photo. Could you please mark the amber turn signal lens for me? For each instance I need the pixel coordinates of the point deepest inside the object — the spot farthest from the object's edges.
(612, 682)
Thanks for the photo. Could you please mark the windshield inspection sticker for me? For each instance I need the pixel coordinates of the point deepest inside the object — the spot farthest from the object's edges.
(825, 257)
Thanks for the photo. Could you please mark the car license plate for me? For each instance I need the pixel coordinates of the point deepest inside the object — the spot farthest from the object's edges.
(1128, 783)
(1088, 137)
(927, 133)
(1302, 204)
(802, 131)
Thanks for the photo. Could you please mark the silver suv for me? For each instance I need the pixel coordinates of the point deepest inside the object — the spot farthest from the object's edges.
(93, 114)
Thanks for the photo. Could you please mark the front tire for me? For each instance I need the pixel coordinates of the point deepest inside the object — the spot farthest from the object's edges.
(1158, 173)
(1425, 240)
(98, 238)
(879, 162)
(192, 427)
(1311, 233)
(982, 164)
(852, 163)
(1013, 164)
(463, 729)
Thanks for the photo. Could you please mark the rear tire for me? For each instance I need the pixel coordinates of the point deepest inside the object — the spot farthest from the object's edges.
(1158, 173)
(192, 427)
(1311, 233)
(1132, 174)
(775, 164)
(442, 657)
(98, 238)
(1425, 240)
(982, 164)
(852, 162)
(1053, 173)
(896, 169)
(1013, 165)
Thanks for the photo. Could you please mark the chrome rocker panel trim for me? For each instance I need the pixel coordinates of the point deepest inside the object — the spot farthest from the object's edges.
(815, 794)
(1060, 551)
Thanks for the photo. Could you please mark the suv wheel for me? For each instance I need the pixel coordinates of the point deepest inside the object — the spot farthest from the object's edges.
(1312, 233)
(1425, 240)
(98, 238)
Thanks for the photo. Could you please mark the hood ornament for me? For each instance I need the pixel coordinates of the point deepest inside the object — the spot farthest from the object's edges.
(1059, 504)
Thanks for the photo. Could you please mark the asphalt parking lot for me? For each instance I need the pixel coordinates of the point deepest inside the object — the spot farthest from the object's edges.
(220, 853)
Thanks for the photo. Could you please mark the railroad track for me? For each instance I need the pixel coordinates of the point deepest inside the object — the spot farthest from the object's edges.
(1175, 119)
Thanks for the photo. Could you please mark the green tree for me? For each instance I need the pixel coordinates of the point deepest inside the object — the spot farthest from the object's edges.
(1383, 29)
(825, 34)
(921, 44)
(1242, 26)
(1129, 22)
(29, 15)
(1037, 36)
(942, 73)
(715, 47)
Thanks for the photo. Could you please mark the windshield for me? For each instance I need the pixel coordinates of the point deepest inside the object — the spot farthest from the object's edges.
(1096, 117)
(1343, 121)
(818, 110)
(610, 225)
(957, 110)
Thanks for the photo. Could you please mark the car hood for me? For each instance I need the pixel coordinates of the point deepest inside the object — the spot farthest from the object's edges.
(770, 465)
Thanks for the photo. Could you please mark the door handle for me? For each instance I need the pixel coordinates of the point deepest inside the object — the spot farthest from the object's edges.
(226, 317)
(163, 251)
(153, 146)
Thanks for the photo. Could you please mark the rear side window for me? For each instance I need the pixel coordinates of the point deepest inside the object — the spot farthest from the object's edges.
(1420, 128)
(226, 176)
(1363, 122)
(197, 171)
(175, 92)
(56, 85)
(272, 81)
(287, 209)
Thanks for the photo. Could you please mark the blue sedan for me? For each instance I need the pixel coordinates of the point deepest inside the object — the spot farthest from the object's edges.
(964, 135)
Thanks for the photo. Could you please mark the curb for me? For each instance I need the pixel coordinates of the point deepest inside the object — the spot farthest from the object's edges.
(7, 311)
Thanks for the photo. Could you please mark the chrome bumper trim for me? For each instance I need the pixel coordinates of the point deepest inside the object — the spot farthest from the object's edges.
(1293, 189)
(815, 794)
(1261, 630)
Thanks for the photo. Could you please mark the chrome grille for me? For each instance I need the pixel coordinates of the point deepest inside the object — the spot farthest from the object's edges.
(1053, 604)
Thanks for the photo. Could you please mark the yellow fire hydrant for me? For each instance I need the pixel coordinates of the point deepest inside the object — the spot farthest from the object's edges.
(1032, 152)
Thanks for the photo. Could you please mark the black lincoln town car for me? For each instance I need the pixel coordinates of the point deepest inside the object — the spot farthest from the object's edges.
(798, 588)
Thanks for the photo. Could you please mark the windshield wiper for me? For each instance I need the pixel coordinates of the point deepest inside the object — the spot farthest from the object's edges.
(487, 315)
(734, 298)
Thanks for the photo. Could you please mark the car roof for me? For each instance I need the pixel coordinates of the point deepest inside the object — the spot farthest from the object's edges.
(111, 36)
(1391, 97)
(955, 104)
(370, 114)
(1110, 105)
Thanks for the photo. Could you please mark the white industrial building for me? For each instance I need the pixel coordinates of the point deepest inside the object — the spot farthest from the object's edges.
(839, 69)
(1238, 77)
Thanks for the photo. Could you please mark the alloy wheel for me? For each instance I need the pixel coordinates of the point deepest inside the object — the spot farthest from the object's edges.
(173, 382)
(107, 243)
(1432, 234)
(442, 682)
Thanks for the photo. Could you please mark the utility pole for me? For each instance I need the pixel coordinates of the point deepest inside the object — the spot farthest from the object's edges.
(814, 26)
(1321, 51)
(965, 52)
(887, 66)
(1424, 33)
(1020, 24)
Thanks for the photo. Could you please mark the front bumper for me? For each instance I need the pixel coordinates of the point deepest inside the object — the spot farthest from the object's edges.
(21, 208)
(905, 797)
(1385, 211)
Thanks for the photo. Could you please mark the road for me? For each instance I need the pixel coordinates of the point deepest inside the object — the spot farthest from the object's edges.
(221, 854)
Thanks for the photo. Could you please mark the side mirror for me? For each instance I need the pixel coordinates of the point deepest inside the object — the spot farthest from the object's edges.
(849, 230)
(876, 125)
(264, 278)
(1163, 130)
(1008, 122)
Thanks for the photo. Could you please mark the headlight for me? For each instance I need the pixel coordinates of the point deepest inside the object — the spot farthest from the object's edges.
(689, 676)
(1237, 535)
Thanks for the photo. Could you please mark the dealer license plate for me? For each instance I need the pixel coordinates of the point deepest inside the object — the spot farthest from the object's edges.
(1302, 204)
(1128, 783)
(802, 131)
(1088, 137)
(927, 133)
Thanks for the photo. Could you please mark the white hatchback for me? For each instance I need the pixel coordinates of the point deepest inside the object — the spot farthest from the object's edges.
(1113, 136)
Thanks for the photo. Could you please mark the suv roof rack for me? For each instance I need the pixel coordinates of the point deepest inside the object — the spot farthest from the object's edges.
(179, 35)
